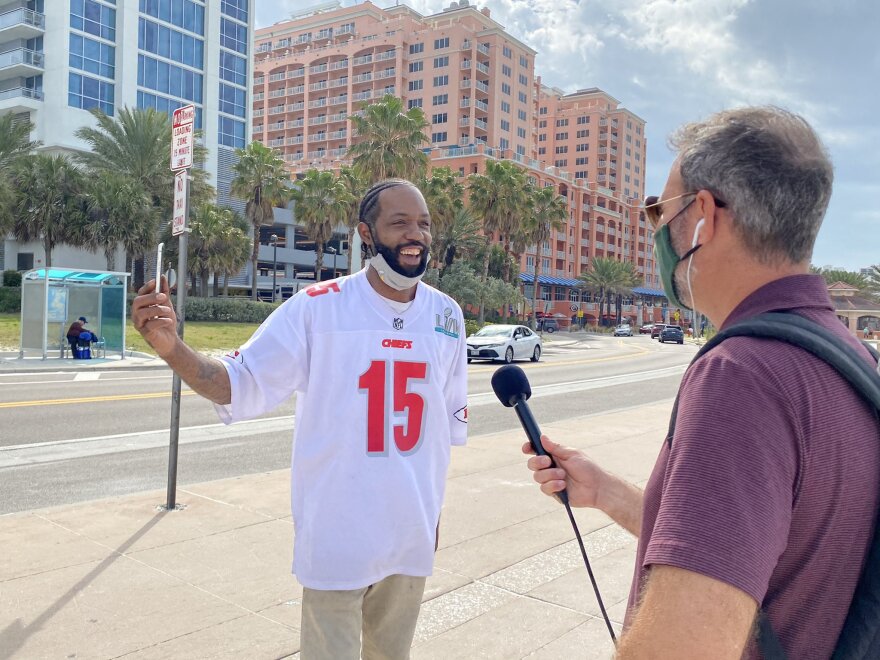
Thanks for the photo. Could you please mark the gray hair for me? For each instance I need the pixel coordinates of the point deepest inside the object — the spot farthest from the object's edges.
(770, 168)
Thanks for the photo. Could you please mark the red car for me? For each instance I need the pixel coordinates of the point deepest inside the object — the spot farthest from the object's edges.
(646, 329)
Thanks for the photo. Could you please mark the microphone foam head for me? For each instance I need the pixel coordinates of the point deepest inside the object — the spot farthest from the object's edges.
(510, 383)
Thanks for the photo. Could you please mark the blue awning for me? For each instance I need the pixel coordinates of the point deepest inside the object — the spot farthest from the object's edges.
(555, 281)
(75, 276)
(644, 291)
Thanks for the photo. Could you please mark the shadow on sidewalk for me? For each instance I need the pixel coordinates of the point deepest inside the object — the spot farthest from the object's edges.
(13, 636)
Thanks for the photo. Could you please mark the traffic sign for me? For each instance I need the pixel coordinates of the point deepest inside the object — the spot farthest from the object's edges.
(178, 217)
(182, 137)
(574, 307)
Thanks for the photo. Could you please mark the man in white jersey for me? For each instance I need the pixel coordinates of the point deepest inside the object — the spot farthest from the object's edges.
(378, 362)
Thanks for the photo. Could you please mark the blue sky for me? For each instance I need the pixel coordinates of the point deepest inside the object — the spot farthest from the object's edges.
(674, 61)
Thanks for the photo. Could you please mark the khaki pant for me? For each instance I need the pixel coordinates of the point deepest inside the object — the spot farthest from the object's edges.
(383, 616)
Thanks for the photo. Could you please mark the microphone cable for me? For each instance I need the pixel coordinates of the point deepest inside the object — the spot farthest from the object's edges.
(580, 541)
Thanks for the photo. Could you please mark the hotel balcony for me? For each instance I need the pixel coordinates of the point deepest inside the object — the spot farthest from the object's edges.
(483, 68)
(293, 107)
(314, 121)
(483, 87)
(464, 103)
(318, 68)
(278, 126)
(314, 87)
(296, 73)
(299, 89)
(21, 24)
(318, 103)
(337, 100)
(21, 62)
(387, 55)
(362, 96)
(294, 140)
(296, 123)
(20, 99)
(483, 48)
(337, 135)
(342, 116)
(479, 123)
(341, 64)
(481, 105)
(364, 59)
(278, 142)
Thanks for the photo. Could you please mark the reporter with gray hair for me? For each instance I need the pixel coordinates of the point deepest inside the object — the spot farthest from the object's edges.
(760, 510)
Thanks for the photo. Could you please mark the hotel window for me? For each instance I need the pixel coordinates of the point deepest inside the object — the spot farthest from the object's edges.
(542, 111)
(91, 17)
(584, 133)
(416, 66)
(560, 163)
(523, 80)
(440, 62)
(441, 43)
(235, 8)
(524, 61)
(542, 123)
(439, 118)
(232, 68)
(505, 125)
(505, 70)
(504, 143)
(582, 147)
(505, 106)
(542, 137)
(87, 93)
(414, 85)
(563, 149)
(506, 52)
(414, 103)
(438, 137)
(441, 81)
(582, 160)
(232, 100)
(521, 114)
(583, 120)
(233, 36)
(562, 136)
(580, 174)
(416, 48)
(521, 132)
(542, 151)
(174, 45)
(505, 89)
(522, 97)
(230, 132)
(561, 122)
(185, 14)
(92, 56)
(440, 99)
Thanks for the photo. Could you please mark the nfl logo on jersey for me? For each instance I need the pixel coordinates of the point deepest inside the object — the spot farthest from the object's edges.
(398, 324)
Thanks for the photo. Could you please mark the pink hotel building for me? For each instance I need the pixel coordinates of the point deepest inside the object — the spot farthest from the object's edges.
(477, 86)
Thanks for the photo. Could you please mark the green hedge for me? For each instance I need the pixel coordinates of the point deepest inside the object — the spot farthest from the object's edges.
(229, 310)
(10, 300)
(11, 278)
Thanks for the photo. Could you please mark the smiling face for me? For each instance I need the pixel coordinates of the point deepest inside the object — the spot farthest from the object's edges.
(402, 230)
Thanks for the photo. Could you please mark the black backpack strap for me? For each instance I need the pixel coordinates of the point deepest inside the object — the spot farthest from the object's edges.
(810, 336)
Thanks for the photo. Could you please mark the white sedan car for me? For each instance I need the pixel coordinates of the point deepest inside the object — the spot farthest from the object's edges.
(504, 342)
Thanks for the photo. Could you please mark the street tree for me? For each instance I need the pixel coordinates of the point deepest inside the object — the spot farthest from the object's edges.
(322, 203)
(48, 201)
(15, 144)
(390, 141)
(263, 182)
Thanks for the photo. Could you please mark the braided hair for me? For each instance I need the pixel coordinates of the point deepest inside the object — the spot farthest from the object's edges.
(369, 208)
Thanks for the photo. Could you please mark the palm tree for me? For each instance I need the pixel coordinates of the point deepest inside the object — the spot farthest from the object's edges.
(356, 187)
(389, 141)
(627, 278)
(49, 201)
(321, 204)
(603, 278)
(548, 213)
(461, 236)
(137, 145)
(498, 199)
(262, 181)
(119, 211)
(15, 144)
(444, 195)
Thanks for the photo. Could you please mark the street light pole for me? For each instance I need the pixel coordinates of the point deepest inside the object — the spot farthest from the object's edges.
(332, 250)
(274, 240)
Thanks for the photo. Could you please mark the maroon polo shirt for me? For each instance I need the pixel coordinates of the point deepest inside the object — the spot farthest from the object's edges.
(771, 483)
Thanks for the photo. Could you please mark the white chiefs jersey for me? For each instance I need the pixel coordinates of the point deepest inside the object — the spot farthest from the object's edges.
(381, 396)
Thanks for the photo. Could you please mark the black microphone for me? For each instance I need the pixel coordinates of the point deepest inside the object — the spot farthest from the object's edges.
(513, 390)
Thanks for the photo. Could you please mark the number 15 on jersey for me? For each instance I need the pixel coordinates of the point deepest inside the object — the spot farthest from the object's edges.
(388, 382)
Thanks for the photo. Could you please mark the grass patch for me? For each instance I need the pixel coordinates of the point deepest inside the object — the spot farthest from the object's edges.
(210, 336)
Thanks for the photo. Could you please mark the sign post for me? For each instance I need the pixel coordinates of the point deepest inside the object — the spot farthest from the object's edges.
(182, 138)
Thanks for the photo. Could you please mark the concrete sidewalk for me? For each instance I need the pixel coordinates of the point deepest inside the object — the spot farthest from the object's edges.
(122, 578)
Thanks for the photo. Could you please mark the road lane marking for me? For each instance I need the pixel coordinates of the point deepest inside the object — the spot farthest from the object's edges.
(166, 376)
(87, 375)
(47, 452)
(91, 399)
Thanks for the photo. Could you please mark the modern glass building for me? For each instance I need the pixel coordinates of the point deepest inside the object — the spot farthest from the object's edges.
(60, 58)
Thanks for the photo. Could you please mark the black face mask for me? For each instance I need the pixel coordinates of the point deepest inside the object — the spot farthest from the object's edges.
(393, 260)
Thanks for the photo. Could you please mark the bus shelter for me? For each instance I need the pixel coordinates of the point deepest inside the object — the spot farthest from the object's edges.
(52, 299)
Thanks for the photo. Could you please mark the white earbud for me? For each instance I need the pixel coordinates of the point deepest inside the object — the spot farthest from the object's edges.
(697, 229)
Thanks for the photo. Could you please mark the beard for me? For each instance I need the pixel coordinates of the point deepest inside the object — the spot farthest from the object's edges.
(392, 258)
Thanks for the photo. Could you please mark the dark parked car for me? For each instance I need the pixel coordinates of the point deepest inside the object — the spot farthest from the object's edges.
(672, 333)
(548, 325)
(655, 331)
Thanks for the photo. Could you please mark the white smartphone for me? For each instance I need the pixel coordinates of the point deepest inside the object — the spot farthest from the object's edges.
(158, 288)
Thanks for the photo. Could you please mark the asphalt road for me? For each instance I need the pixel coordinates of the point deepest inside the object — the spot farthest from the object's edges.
(67, 437)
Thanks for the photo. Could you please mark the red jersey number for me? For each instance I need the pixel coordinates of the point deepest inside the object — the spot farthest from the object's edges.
(374, 382)
(320, 289)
